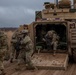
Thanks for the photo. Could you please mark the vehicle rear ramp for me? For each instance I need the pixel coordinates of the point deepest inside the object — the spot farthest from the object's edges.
(49, 61)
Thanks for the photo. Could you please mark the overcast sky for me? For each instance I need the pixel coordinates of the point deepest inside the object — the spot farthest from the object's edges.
(16, 12)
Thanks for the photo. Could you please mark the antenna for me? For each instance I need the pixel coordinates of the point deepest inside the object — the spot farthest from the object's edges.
(56, 2)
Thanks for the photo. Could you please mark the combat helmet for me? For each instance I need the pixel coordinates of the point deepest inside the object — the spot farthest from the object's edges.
(24, 31)
(51, 31)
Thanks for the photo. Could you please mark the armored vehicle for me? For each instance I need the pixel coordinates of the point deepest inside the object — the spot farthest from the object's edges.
(60, 17)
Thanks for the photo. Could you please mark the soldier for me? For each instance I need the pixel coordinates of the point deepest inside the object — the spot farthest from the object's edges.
(51, 39)
(15, 45)
(26, 51)
(3, 49)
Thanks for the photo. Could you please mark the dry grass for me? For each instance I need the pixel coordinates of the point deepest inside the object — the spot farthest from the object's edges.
(9, 35)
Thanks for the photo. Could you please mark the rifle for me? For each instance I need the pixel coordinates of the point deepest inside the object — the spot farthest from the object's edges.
(17, 47)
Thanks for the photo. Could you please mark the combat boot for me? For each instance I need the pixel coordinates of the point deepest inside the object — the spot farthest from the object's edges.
(31, 68)
(18, 67)
(2, 72)
(54, 54)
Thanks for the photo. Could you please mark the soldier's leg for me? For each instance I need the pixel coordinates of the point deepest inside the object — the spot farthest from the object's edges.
(55, 47)
(17, 54)
(2, 55)
(29, 61)
(28, 58)
(12, 54)
(20, 58)
(48, 45)
(2, 67)
(18, 64)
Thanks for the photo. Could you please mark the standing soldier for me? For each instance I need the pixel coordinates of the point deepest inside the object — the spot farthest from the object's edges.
(3, 49)
(15, 45)
(27, 50)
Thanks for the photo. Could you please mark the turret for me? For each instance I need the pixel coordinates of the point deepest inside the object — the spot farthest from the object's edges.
(65, 4)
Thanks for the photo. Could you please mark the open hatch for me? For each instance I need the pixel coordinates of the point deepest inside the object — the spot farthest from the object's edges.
(41, 31)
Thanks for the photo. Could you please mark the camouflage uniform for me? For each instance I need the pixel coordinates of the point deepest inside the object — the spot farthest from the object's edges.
(14, 45)
(26, 52)
(3, 49)
(52, 39)
(48, 39)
